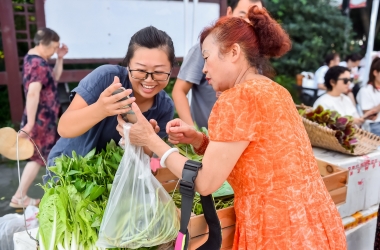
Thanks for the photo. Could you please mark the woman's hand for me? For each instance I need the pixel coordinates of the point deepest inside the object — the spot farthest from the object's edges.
(371, 114)
(108, 104)
(27, 128)
(359, 121)
(62, 51)
(121, 123)
(142, 130)
(181, 132)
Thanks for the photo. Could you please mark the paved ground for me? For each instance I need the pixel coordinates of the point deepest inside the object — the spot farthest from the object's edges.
(9, 184)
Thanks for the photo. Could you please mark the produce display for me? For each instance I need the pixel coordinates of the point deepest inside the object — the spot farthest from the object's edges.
(342, 125)
(72, 207)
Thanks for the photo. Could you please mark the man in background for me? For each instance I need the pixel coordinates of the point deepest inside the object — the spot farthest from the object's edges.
(191, 76)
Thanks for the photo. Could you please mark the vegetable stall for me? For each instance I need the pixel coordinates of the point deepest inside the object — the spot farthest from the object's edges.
(74, 203)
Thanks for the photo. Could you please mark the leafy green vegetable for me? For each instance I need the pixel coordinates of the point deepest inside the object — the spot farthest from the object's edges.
(220, 202)
(342, 125)
(72, 207)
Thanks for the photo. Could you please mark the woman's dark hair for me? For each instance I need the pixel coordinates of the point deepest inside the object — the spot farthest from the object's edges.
(233, 3)
(374, 66)
(260, 39)
(333, 74)
(330, 57)
(353, 57)
(151, 38)
(45, 36)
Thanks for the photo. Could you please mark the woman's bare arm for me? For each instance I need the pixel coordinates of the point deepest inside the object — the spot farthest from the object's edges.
(80, 117)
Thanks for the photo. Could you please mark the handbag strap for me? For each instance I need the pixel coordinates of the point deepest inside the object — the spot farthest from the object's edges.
(187, 191)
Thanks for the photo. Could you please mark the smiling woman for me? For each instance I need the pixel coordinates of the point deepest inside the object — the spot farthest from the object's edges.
(91, 119)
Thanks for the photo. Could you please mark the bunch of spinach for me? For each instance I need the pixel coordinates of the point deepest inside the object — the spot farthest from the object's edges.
(72, 207)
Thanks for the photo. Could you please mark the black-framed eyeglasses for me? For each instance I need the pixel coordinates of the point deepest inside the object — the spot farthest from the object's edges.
(346, 80)
(143, 75)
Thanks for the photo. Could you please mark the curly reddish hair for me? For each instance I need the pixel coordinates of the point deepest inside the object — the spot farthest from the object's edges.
(259, 40)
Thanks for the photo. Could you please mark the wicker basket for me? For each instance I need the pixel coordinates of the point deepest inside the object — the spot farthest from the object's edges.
(324, 137)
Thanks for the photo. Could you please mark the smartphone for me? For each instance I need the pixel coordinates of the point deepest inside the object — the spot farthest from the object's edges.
(130, 115)
(370, 117)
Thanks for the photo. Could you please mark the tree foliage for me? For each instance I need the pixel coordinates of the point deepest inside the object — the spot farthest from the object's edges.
(316, 28)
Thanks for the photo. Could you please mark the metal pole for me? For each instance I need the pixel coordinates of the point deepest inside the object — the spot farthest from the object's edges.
(371, 38)
(11, 60)
(346, 32)
(185, 5)
(193, 35)
(186, 36)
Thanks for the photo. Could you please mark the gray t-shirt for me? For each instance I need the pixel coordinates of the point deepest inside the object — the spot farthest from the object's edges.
(99, 135)
(203, 95)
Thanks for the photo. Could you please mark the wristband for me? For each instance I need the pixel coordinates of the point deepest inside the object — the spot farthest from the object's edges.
(202, 148)
(166, 155)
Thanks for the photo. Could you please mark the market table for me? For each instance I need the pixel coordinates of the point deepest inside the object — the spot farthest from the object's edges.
(363, 188)
(363, 192)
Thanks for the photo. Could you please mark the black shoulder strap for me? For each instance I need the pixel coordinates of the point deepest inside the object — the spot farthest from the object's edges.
(187, 191)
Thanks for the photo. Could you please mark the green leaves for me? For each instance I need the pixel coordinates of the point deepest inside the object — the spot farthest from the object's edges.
(71, 210)
(315, 28)
(90, 154)
(80, 185)
(220, 202)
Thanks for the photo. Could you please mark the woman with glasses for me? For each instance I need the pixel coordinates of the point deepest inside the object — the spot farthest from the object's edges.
(337, 82)
(91, 119)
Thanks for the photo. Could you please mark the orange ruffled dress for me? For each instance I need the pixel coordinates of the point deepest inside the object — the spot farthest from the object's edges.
(281, 201)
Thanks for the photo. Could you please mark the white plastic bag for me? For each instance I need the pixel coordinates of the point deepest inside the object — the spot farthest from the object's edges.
(13, 223)
(139, 212)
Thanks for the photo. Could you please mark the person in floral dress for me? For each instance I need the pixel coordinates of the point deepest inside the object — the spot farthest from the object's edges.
(40, 116)
(257, 141)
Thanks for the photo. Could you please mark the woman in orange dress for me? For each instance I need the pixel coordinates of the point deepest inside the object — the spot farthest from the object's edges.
(257, 141)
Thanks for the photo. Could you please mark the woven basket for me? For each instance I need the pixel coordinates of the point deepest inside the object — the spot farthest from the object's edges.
(324, 137)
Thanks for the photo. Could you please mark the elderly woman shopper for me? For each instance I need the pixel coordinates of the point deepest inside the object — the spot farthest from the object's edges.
(337, 80)
(42, 106)
(257, 141)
